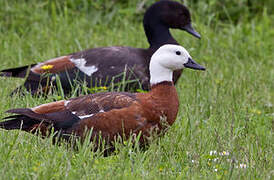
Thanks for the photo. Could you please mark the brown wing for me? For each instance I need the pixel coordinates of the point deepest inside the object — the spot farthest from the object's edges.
(101, 102)
(88, 105)
(55, 65)
(50, 107)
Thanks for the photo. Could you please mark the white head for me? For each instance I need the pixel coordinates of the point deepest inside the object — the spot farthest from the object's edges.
(167, 59)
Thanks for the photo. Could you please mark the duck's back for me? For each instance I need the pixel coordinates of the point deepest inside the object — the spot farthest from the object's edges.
(110, 65)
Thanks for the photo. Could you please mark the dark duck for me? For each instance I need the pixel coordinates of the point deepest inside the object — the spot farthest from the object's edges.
(110, 115)
(109, 65)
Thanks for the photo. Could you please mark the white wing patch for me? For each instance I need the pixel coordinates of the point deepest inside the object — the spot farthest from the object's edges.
(81, 64)
(85, 116)
(82, 117)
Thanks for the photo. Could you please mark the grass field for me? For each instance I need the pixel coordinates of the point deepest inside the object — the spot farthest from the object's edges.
(224, 129)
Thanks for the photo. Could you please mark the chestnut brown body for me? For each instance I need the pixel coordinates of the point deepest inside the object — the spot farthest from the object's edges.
(107, 114)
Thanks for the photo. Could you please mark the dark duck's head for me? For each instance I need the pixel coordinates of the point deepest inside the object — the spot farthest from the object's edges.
(163, 15)
(167, 59)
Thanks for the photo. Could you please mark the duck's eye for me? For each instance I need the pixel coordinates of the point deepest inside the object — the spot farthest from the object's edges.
(178, 53)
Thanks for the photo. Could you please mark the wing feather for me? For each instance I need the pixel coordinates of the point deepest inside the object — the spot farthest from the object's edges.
(100, 102)
(55, 65)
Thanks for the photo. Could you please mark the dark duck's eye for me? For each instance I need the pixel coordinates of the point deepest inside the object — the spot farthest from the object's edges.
(178, 53)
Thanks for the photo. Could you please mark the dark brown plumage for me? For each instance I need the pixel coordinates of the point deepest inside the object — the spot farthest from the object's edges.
(105, 66)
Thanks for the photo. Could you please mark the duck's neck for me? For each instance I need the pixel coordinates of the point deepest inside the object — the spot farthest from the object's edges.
(158, 34)
(163, 84)
(158, 73)
(165, 93)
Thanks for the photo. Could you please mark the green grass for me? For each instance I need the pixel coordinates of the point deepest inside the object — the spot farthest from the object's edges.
(227, 108)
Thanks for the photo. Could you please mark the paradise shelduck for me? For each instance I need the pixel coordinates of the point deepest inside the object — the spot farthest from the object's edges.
(110, 65)
(112, 114)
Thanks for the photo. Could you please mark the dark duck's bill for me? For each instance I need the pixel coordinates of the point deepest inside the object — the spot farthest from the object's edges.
(188, 28)
(193, 65)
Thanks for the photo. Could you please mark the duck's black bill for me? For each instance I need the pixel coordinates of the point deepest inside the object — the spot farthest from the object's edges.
(193, 65)
(188, 28)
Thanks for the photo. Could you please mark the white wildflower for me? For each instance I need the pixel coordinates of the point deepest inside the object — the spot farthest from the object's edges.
(243, 166)
(213, 153)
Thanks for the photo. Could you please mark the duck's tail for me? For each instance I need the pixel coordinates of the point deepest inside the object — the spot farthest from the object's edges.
(32, 83)
(19, 72)
(18, 122)
(25, 120)
(29, 121)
